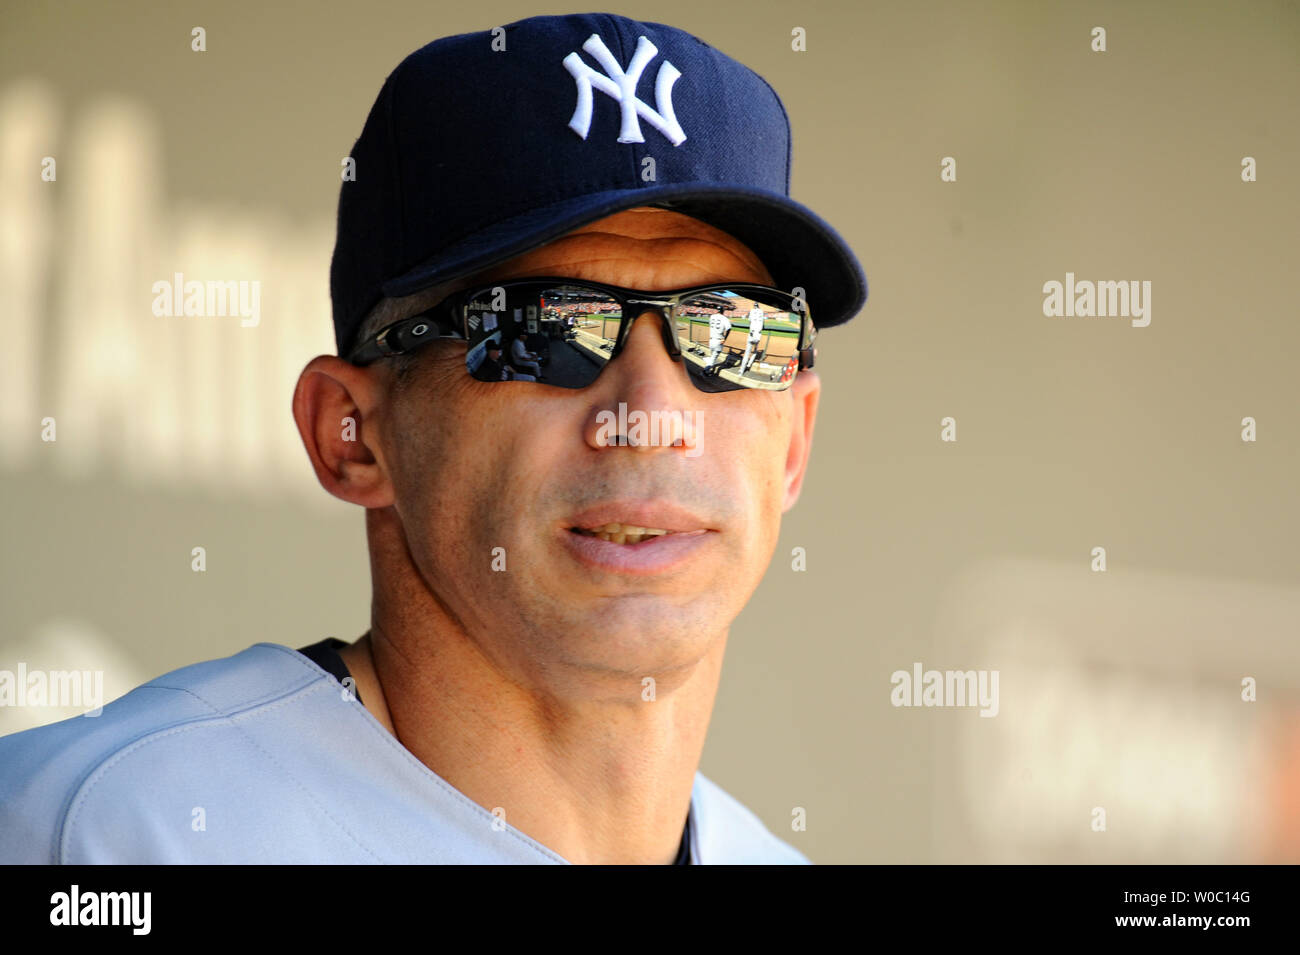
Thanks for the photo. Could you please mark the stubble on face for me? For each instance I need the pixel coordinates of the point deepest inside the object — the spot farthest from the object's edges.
(485, 475)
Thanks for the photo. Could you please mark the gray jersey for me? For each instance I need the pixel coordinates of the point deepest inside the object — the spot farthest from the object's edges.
(283, 765)
(719, 327)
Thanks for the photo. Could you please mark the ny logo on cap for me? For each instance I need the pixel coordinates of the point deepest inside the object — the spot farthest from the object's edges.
(622, 87)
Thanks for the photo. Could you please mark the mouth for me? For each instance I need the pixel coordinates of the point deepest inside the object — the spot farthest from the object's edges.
(617, 533)
(637, 537)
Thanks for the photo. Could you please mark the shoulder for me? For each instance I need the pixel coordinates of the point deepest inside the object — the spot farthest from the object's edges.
(728, 833)
(172, 733)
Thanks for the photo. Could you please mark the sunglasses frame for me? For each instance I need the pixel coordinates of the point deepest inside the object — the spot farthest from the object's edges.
(450, 317)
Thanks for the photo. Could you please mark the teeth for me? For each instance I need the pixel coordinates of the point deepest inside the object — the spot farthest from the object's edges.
(622, 533)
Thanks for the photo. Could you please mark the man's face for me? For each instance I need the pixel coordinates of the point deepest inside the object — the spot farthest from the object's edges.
(485, 473)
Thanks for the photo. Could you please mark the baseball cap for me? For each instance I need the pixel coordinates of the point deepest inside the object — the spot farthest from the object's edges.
(484, 145)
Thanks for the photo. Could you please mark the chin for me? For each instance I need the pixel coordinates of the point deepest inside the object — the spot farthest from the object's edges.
(643, 643)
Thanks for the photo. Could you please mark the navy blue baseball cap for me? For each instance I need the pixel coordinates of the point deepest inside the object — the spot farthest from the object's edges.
(484, 145)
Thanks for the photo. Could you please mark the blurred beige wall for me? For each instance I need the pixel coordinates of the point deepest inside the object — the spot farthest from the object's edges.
(1119, 690)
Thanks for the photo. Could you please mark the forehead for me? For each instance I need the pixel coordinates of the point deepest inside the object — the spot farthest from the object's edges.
(644, 247)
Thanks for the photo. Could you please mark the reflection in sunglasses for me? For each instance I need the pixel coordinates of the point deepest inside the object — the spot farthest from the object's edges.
(727, 340)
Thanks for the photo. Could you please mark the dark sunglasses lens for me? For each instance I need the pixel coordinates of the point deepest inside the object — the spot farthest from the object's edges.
(561, 335)
(731, 341)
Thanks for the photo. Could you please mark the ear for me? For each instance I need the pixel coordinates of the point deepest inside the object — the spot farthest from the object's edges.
(806, 393)
(336, 406)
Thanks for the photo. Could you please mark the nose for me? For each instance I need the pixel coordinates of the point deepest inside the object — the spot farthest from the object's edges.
(643, 378)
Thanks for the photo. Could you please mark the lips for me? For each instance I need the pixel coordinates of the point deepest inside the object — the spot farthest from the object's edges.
(637, 517)
(636, 537)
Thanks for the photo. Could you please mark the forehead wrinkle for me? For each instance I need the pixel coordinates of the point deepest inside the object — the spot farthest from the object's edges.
(649, 253)
(676, 224)
(591, 270)
(724, 243)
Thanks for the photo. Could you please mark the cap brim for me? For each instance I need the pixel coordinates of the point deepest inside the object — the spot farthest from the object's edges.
(798, 247)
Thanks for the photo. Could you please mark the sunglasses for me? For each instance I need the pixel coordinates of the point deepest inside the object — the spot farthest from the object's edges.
(563, 332)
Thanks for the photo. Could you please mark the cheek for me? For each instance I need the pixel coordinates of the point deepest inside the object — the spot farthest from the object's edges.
(444, 446)
(762, 435)
(745, 454)
(468, 459)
